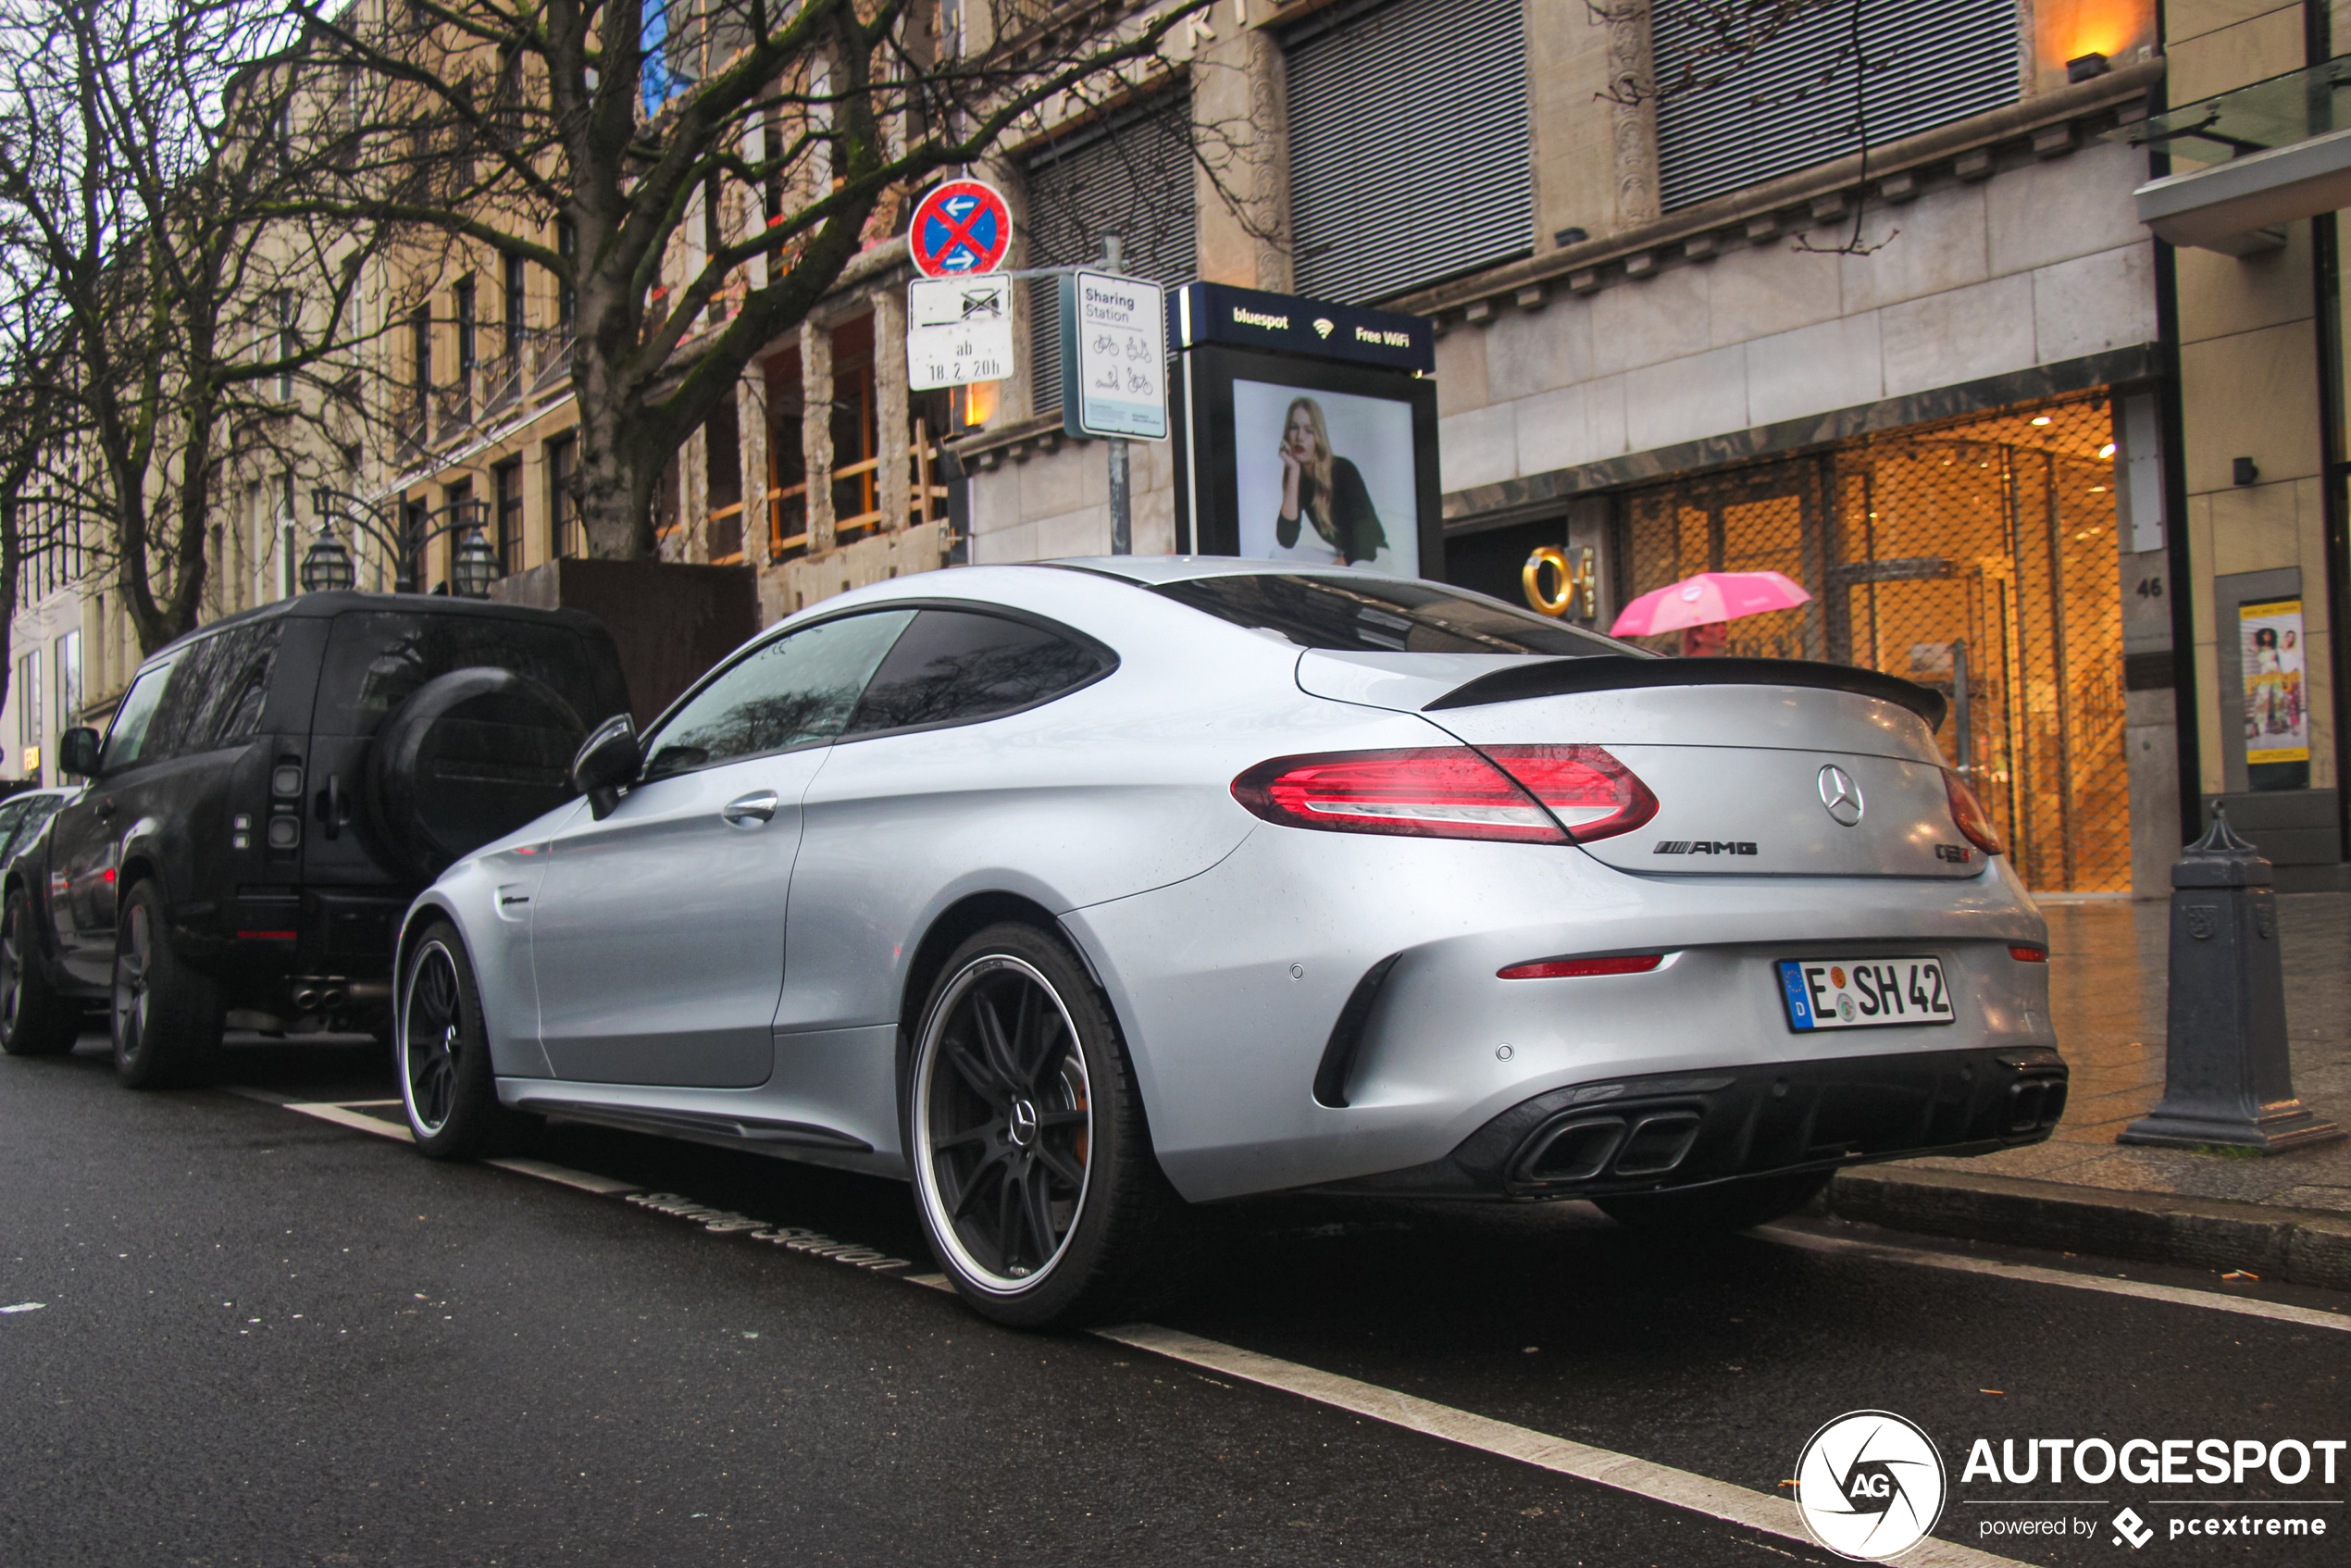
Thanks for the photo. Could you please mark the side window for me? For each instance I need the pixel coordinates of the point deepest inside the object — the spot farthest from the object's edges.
(794, 691)
(36, 813)
(12, 817)
(954, 666)
(217, 687)
(126, 737)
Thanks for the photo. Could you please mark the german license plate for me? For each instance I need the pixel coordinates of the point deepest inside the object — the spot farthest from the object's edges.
(1864, 993)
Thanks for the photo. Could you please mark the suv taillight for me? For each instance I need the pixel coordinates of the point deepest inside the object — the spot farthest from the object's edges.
(1522, 795)
(1968, 816)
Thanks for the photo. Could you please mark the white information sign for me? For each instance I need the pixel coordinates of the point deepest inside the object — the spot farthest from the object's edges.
(1114, 337)
(958, 330)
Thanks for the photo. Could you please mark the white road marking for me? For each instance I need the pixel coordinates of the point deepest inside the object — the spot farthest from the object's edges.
(603, 1187)
(25, 1307)
(346, 1118)
(2308, 1317)
(1658, 1483)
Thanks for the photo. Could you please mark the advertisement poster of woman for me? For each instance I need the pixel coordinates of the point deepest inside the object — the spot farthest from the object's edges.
(1325, 477)
(2276, 724)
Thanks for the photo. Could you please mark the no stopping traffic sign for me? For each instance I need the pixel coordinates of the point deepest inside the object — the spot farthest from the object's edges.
(960, 227)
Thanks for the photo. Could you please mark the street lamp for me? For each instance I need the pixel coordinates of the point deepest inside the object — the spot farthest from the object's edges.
(473, 565)
(475, 568)
(326, 568)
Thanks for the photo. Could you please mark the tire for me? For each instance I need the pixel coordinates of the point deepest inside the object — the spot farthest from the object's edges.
(469, 756)
(167, 1018)
(442, 1052)
(1033, 1171)
(1708, 1211)
(35, 1020)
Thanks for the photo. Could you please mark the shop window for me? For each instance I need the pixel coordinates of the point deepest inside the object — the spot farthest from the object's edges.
(1977, 556)
(930, 415)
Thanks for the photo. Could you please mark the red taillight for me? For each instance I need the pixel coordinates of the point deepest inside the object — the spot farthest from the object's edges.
(1968, 816)
(1593, 795)
(1522, 795)
(1433, 791)
(1565, 968)
(2028, 955)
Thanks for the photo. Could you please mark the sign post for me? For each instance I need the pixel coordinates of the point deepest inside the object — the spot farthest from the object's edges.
(958, 330)
(1114, 371)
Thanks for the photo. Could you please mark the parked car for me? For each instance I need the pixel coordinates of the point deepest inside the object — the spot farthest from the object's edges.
(271, 792)
(1073, 892)
(24, 814)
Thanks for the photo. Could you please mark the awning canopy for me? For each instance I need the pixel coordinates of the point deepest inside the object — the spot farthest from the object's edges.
(2257, 157)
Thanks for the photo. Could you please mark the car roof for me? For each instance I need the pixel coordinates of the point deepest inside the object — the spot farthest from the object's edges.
(323, 606)
(1151, 570)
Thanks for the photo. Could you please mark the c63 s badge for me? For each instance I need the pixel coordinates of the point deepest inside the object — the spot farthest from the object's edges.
(1869, 1485)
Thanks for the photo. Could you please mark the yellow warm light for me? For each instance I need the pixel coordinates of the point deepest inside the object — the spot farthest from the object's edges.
(2097, 27)
(979, 402)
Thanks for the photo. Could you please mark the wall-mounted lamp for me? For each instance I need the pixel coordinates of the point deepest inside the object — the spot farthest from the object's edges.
(1567, 237)
(2087, 67)
(2243, 471)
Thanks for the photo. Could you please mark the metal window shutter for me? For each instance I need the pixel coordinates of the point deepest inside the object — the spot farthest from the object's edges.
(1411, 147)
(1793, 104)
(1129, 175)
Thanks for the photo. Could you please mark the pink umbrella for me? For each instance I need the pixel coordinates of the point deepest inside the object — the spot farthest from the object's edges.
(1707, 598)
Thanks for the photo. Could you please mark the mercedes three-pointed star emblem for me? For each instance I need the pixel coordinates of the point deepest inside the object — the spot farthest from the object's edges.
(1841, 795)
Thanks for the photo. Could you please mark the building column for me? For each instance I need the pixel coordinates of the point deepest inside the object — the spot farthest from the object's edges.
(751, 426)
(1240, 126)
(896, 486)
(816, 431)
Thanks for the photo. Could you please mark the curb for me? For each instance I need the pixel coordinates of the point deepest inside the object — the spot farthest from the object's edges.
(2304, 1246)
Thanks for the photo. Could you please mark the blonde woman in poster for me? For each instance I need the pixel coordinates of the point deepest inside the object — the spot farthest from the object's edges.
(1324, 491)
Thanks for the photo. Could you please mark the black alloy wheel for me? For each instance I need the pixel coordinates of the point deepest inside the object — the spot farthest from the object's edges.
(35, 1020)
(446, 1079)
(1033, 1172)
(167, 1016)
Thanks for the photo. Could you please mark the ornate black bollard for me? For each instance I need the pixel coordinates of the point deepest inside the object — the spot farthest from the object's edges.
(2227, 1079)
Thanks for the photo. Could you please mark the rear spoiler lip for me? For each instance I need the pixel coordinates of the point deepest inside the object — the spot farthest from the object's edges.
(1612, 672)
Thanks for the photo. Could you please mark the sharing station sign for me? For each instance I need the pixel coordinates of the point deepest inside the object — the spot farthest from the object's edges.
(959, 314)
(1113, 356)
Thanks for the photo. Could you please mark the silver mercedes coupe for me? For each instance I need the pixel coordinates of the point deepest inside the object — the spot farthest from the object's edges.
(1081, 892)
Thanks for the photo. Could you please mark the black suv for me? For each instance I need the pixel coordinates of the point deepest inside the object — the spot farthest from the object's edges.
(271, 793)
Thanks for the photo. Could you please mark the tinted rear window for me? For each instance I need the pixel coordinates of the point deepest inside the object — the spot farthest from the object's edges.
(218, 684)
(954, 666)
(1372, 614)
(376, 658)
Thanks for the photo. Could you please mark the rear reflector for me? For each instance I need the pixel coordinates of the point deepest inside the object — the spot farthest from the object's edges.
(1521, 794)
(2028, 955)
(1565, 968)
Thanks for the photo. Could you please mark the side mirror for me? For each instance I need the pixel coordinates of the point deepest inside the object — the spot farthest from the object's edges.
(608, 763)
(78, 753)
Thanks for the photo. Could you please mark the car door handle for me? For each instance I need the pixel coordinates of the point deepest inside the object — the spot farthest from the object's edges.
(105, 810)
(748, 810)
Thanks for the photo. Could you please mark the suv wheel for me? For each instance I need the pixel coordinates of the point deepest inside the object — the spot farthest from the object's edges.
(1033, 1170)
(1736, 1205)
(167, 1016)
(442, 1053)
(35, 1020)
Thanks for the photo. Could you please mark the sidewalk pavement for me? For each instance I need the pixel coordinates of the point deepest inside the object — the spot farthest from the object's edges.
(2283, 1216)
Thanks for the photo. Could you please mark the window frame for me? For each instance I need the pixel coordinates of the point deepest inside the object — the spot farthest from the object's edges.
(646, 744)
(973, 606)
(1004, 613)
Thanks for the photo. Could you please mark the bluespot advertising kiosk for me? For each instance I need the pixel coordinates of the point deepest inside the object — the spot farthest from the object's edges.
(1305, 430)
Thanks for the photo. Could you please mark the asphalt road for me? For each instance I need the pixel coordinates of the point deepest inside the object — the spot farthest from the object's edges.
(267, 1339)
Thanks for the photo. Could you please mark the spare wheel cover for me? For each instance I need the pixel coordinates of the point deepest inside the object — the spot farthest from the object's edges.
(469, 757)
